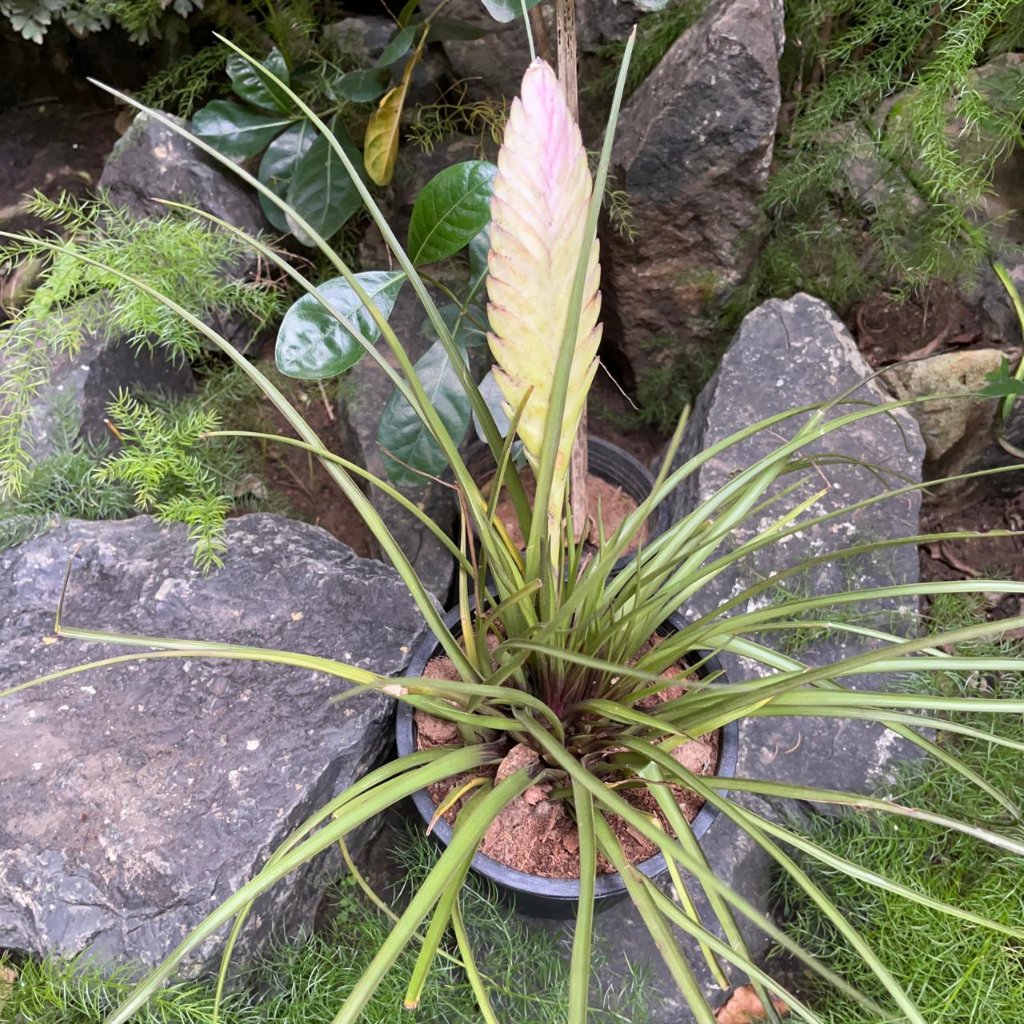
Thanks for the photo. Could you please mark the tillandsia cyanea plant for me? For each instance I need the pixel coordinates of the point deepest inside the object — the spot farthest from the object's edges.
(556, 655)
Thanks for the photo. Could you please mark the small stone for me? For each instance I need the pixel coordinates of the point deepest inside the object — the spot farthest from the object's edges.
(955, 430)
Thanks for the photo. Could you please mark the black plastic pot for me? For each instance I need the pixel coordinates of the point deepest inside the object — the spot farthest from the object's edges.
(606, 461)
(530, 894)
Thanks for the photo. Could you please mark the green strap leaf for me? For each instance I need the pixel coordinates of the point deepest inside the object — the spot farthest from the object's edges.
(256, 88)
(321, 190)
(451, 211)
(277, 168)
(234, 131)
(311, 344)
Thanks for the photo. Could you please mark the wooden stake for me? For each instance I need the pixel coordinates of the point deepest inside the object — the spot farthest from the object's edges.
(540, 34)
(565, 32)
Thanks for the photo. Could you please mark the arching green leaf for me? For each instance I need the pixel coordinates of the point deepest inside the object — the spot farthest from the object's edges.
(453, 208)
(255, 88)
(312, 345)
(278, 166)
(234, 131)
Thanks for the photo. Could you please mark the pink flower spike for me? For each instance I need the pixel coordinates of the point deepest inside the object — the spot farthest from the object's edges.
(538, 227)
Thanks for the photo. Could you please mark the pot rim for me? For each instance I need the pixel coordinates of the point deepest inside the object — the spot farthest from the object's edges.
(556, 889)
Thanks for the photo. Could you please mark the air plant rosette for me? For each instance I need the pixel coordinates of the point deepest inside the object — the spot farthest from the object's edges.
(554, 637)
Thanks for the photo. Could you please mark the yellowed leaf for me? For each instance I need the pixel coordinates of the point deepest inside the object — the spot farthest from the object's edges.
(744, 1007)
(380, 144)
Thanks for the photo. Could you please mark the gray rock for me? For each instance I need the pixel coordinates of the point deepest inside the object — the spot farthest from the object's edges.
(363, 39)
(73, 401)
(603, 21)
(493, 65)
(999, 322)
(693, 150)
(787, 354)
(152, 161)
(133, 800)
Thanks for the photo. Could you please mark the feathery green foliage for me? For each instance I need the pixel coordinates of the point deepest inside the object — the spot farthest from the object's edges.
(433, 123)
(181, 256)
(141, 19)
(184, 85)
(63, 485)
(84, 291)
(158, 462)
(958, 972)
(894, 91)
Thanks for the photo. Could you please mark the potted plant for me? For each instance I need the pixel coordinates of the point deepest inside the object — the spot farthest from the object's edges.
(553, 651)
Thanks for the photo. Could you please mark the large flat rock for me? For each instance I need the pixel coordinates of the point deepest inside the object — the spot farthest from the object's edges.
(135, 798)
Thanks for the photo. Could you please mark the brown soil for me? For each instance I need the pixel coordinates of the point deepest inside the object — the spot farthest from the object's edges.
(891, 330)
(938, 321)
(52, 146)
(607, 505)
(292, 475)
(537, 835)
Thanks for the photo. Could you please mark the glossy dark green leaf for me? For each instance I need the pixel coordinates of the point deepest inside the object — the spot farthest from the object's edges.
(256, 88)
(507, 10)
(495, 400)
(468, 328)
(453, 208)
(445, 29)
(1001, 384)
(278, 166)
(406, 13)
(478, 249)
(234, 131)
(362, 86)
(312, 345)
(402, 433)
(321, 190)
(399, 45)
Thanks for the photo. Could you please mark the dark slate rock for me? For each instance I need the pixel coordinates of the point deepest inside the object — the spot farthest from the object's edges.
(152, 161)
(492, 65)
(693, 150)
(73, 402)
(598, 21)
(788, 354)
(133, 800)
